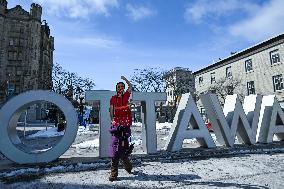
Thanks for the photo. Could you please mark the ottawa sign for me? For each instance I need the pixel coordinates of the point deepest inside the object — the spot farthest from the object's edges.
(257, 120)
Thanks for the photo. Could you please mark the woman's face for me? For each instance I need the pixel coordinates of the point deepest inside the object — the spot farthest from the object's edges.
(120, 88)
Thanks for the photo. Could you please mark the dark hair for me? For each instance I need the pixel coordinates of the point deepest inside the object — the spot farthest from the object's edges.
(118, 84)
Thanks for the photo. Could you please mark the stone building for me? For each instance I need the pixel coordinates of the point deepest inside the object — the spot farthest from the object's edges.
(178, 81)
(259, 68)
(26, 50)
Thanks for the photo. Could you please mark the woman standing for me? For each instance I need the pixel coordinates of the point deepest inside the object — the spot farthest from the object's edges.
(121, 121)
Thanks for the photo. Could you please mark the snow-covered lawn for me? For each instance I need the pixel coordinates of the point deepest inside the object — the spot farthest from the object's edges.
(94, 142)
(50, 132)
(87, 144)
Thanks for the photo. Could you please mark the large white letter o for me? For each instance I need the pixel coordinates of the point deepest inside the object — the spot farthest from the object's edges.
(9, 115)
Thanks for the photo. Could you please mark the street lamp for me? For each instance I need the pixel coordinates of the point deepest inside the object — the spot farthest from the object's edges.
(81, 106)
(10, 88)
(81, 110)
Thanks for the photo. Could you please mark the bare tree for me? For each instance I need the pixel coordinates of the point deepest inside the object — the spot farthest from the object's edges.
(227, 86)
(148, 80)
(64, 81)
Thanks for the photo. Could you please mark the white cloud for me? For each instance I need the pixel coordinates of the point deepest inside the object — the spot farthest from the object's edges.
(267, 21)
(139, 12)
(78, 8)
(91, 41)
(203, 9)
(251, 20)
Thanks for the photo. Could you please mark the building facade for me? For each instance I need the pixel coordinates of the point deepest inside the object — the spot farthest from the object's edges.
(260, 70)
(178, 81)
(26, 51)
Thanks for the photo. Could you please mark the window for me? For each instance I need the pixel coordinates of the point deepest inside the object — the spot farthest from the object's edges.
(10, 55)
(277, 82)
(22, 30)
(229, 71)
(15, 55)
(250, 87)
(248, 65)
(11, 42)
(200, 80)
(21, 42)
(20, 56)
(213, 77)
(274, 57)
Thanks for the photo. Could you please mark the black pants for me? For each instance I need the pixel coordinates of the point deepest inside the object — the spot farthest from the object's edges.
(114, 165)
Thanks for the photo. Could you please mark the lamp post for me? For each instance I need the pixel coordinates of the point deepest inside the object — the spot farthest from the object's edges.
(81, 110)
(81, 106)
(10, 88)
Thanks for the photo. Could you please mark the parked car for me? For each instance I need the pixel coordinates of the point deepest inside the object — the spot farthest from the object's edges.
(209, 126)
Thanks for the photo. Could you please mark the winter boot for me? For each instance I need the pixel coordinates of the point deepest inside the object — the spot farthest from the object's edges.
(127, 165)
(114, 169)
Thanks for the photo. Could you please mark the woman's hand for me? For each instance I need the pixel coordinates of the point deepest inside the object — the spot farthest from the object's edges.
(113, 122)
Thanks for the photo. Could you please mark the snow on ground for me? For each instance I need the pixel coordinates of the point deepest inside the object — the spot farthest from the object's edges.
(20, 172)
(166, 125)
(138, 124)
(50, 132)
(94, 143)
(87, 144)
(159, 126)
(136, 141)
(258, 171)
(89, 129)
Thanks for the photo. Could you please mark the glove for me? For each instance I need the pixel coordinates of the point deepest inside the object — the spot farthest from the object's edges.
(120, 128)
(113, 122)
(130, 149)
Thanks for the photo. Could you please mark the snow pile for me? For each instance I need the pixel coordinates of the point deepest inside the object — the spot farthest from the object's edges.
(138, 124)
(161, 126)
(89, 129)
(19, 172)
(185, 141)
(51, 132)
(190, 141)
(136, 142)
(54, 169)
(87, 144)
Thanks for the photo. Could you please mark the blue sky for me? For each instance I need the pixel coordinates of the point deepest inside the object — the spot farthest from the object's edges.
(104, 39)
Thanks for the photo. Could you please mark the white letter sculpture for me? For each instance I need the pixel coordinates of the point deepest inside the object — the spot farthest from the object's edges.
(271, 120)
(10, 114)
(149, 137)
(188, 114)
(105, 122)
(236, 120)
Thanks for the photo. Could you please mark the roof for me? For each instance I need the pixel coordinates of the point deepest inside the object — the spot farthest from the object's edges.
(243, 52)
